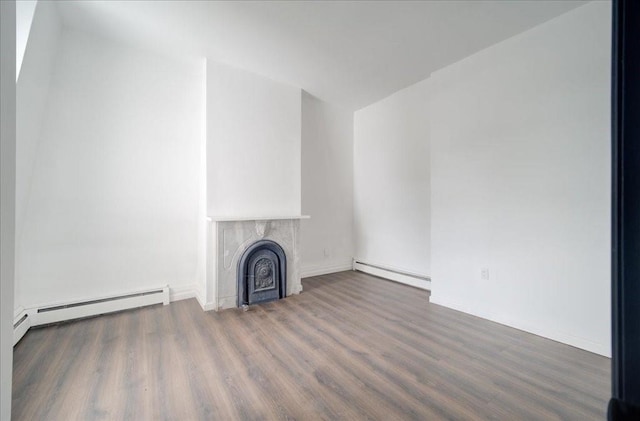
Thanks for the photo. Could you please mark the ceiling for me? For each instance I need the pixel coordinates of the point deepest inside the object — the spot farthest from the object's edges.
(350, 53)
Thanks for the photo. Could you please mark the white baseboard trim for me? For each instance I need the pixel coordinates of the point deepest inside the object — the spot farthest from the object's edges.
(208, 306)
(203, 304)
(394, 274)
(18, 311)
(545, 332)
(183, 292)
(191, 291)
(21, 323)
(317, 270)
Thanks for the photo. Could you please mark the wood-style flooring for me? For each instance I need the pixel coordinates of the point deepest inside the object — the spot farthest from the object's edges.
(350, 347)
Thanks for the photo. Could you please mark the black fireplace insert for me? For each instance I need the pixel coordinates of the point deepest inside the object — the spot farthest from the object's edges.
(262, 273)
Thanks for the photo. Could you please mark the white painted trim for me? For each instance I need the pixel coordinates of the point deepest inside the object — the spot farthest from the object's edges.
(101, 307)
(316, 270)
(200, 297)
(200, 301)
(254, 218)
(19, 331)
(183, 292)
(18, 312)
(115, 294)
(526, 326)
(166, 295)
(208, 307)
(191, 291)
(407, 278)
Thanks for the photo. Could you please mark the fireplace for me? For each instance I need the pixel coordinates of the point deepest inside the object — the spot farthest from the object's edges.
(262, 273)
(231, 241)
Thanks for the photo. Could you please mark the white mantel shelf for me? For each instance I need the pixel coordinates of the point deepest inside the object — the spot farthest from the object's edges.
(254, 218)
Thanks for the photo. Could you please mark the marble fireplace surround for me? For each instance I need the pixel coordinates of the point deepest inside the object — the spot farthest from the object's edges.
(232, 236)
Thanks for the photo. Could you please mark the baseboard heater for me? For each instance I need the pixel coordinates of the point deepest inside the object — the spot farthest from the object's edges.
(78, 309)
(393, 274)
(21, 323)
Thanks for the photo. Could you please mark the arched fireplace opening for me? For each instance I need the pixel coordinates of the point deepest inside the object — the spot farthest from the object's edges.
(262, 273)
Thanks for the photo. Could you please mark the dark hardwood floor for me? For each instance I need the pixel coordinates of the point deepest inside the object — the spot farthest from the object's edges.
(351, 347)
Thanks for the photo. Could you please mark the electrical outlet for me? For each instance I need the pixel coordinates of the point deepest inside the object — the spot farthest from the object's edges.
(327, 252)
(484, 274)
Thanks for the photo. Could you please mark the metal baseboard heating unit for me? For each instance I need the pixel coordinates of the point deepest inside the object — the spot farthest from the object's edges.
(393, 274)
(78, 309)
(21, 323)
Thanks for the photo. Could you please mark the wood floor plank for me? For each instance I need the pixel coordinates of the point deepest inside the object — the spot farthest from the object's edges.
(351, 346)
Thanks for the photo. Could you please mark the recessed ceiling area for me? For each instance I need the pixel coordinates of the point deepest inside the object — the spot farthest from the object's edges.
(347, 53)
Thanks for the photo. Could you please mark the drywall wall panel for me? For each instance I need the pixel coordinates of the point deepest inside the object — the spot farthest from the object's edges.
(41, 39)
(392, 181)
(520, 180)
(326, 240)
(7, 197)
(253, 144)
(115, 184)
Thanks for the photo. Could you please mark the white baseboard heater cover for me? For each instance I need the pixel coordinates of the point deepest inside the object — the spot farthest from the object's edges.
(21, 323)
(397, 275)
(75, 310)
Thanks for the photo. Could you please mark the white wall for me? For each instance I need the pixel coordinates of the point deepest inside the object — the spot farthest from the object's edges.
(31, 99)
(253, 144)
(7, 198)
(520, 181)
(25, 10)
(391, 181)
(326, 240)
(115, 186)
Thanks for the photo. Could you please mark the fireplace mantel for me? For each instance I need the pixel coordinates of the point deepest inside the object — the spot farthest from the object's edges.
(254, 218)
(229, 237)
